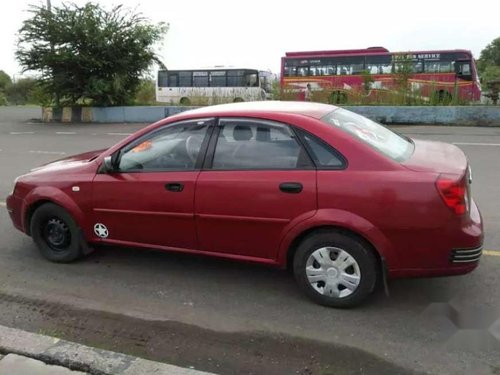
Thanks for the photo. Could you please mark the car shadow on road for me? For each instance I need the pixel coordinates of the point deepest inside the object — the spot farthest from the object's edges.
(196, 269)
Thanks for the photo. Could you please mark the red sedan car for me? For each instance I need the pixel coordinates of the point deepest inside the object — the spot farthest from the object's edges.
(338, 198)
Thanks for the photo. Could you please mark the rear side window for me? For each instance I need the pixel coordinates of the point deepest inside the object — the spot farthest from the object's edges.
(255, 144)
(324, 156)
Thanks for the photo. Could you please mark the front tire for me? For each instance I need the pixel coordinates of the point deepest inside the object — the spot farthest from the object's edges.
(56, 234)
(335, 269)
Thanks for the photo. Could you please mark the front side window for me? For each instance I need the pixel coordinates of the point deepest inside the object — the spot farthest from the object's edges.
(175, 147)
(375, 135)
(254, 144)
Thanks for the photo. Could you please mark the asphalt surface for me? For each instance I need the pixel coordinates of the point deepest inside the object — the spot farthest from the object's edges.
(227, 317)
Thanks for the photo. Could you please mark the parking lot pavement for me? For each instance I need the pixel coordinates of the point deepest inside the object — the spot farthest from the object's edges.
(222, 316)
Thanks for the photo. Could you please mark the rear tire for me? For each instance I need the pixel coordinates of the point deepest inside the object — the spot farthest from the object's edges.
(56, 234)
(335, 269)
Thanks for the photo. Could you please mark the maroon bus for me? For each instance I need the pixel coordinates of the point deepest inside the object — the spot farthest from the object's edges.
(342, 73)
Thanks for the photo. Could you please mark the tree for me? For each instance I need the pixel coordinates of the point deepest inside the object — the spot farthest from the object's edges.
(403, 72)
(4, 80)
(491, 73)
(146, 93)
(490, 56)
(22, 91)
(87, 54)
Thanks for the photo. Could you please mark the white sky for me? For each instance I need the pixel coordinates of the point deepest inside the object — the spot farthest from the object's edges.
(257, 33)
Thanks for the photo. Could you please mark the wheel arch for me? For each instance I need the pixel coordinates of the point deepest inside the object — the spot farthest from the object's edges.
(30, 210)
(340, 221)
(39, 196)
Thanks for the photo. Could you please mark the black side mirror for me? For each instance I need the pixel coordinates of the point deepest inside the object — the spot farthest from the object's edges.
(107, 165)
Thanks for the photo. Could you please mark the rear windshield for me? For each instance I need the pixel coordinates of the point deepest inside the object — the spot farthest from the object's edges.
(375, 135)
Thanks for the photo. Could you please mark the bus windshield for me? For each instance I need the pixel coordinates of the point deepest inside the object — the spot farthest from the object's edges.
(375, 135)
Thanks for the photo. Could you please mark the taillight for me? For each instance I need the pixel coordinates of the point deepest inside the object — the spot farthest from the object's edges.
(454, 193)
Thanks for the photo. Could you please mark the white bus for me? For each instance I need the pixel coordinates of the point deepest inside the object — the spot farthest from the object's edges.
(209, 86)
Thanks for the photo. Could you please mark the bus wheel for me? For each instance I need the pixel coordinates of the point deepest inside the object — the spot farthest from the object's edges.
(238, 100)
(185, 101)
(338, 97)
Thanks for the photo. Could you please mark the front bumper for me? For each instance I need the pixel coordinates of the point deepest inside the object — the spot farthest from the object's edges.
(14, 207)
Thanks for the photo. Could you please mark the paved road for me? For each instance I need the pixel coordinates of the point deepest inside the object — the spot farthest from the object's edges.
(233, 318)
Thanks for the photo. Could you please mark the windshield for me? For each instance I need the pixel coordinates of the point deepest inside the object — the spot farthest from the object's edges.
(375, 135)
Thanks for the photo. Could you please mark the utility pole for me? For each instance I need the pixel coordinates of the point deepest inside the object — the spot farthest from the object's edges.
(56, 95)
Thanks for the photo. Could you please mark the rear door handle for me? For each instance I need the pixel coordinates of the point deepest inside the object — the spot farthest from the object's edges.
(291, 187)
(176, 187)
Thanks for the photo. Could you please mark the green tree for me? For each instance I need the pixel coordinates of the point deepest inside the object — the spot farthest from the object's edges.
(88, 54)
(22, 91)
(146, 93)
(4, 80)
(491, 73)
(490, 56)
(3, 99)
(403, 67)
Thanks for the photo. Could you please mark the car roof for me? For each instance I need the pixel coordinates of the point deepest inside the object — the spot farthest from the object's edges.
(315, 110)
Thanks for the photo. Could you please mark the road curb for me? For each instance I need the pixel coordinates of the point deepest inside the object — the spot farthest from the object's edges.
(74, 356)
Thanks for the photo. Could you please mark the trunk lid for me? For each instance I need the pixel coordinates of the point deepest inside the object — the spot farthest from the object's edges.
(438, 157)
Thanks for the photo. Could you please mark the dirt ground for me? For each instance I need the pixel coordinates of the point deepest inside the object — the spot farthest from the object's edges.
(191, 346)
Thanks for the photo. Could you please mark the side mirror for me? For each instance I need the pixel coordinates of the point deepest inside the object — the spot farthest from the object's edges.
(107, 165)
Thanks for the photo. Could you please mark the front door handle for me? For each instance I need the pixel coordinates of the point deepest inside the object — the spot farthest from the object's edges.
(291, 187)
(176, 187)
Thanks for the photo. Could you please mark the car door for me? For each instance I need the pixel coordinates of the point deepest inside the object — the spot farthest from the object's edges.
(257, 182)
(149, 198)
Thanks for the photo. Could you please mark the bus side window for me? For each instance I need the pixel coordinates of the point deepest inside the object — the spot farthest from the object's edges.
(162, 78)
(173, 80)
(303, 71)
(386, 68)
(251, 80)
(465, 69)
(290, 71)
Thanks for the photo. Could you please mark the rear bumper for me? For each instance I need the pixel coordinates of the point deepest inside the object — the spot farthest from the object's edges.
(457, 251)
(14, 207)
(433, 272)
